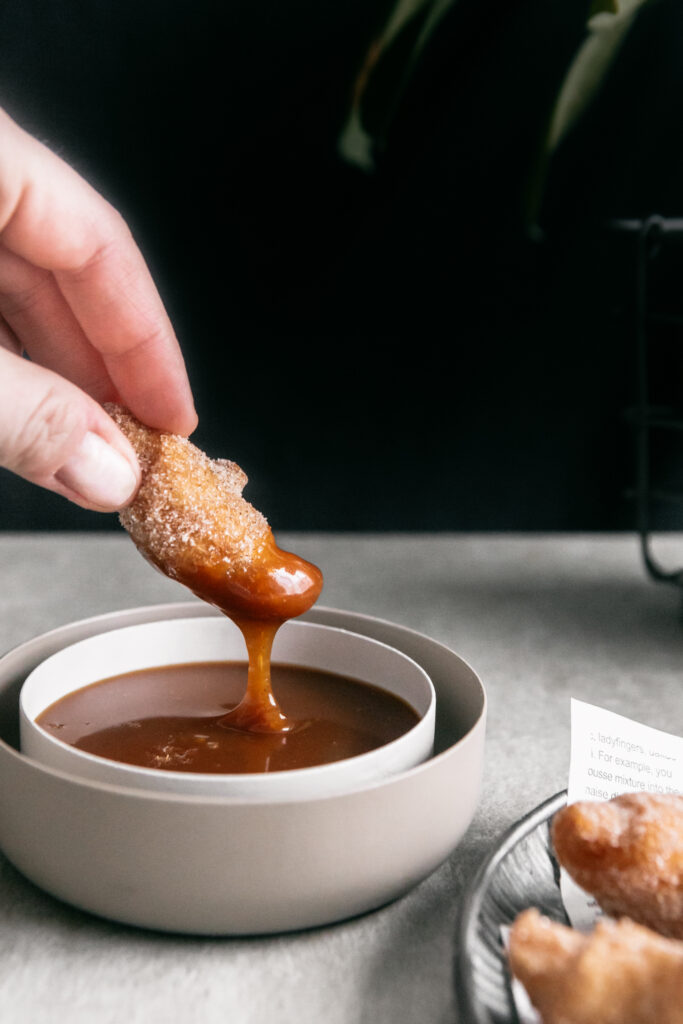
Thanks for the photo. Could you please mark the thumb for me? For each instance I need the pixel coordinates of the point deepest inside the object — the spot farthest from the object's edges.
(56, 436)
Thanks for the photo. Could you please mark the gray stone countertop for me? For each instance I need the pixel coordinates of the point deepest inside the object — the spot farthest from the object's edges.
(540, 618)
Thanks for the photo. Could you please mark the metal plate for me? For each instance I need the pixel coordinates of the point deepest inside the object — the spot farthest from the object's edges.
(520, 872)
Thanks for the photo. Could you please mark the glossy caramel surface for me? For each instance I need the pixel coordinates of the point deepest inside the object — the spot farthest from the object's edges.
(274, 587)
(174, 718)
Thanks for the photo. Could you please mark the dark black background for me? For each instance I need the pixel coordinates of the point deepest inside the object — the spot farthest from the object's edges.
(386, 351)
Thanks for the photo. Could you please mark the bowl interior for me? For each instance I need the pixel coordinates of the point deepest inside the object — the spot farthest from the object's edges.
(189, 640)
(458, 708)
(184, 641)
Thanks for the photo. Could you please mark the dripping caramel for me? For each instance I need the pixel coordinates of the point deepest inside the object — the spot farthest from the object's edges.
(190, 520)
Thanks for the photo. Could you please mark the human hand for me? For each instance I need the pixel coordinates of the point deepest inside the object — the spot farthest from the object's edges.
(76, 296)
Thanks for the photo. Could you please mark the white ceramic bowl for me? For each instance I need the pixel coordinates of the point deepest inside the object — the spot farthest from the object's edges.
(215, 866)
(189, 640)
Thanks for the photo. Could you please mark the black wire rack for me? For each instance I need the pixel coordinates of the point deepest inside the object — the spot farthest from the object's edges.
(657, 416)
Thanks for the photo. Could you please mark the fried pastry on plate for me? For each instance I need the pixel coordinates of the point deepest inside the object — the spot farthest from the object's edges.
(621, 973)
(628, 853)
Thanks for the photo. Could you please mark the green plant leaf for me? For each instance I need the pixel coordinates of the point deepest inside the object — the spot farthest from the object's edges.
(608, 25)
(392, 59)
(385, 74)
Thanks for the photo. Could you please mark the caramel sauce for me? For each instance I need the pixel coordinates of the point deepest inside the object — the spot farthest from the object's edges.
(174, 718)
(258, 710)
(190, 520)
(275, 587)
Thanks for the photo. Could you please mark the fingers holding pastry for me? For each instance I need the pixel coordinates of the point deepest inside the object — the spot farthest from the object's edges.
(56, 436)
(622, 973)
(628, 853)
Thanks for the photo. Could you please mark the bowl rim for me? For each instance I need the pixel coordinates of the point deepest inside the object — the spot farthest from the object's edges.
(178, 609)
(213, 780)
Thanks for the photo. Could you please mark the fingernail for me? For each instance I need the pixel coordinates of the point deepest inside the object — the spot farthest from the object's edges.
(99, 474)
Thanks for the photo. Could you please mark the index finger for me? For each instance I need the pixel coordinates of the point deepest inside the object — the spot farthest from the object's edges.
(55, 220)
(114, 299)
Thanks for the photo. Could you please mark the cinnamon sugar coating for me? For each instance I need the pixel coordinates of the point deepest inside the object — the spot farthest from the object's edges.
(622, 973)
(189, 511)
(628, 853)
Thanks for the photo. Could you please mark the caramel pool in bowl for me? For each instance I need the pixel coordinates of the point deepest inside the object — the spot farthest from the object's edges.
(228, 866)
(180, 679)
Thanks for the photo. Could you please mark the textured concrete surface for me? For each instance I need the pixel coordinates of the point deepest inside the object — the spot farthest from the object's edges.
(540, 618)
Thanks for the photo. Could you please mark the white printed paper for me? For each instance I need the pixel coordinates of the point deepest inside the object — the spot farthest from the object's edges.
(610, 755)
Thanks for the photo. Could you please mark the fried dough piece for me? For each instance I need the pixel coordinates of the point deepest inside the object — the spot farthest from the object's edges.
(621, 973)
(190, 520)
(628, 853)
(189, 508)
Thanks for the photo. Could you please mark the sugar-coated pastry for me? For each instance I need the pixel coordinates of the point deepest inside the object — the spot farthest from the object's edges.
(189, 518)
(628, 853)
(622, 973)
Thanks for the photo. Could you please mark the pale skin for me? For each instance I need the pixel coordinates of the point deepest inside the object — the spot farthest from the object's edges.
(77, 298)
